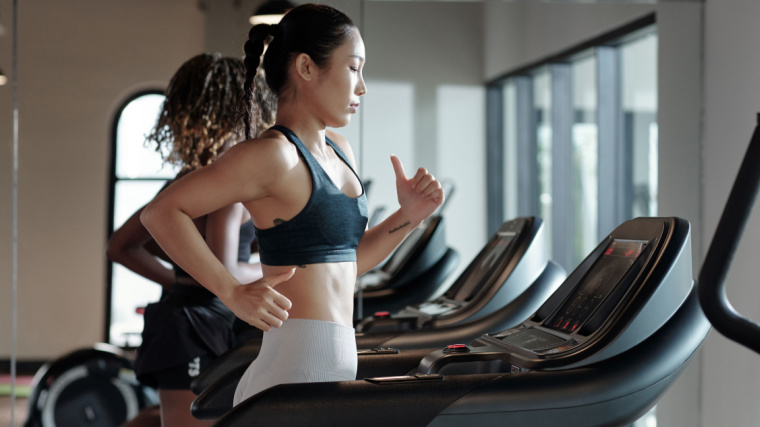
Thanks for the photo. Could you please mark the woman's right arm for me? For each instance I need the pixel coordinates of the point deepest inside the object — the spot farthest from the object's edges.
(242, 174)
(223, 238)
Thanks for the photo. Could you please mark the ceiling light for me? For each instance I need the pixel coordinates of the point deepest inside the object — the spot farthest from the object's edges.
(270, 12)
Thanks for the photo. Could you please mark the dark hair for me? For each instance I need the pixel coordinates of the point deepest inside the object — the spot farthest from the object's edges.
(314, 29)
(198, 115)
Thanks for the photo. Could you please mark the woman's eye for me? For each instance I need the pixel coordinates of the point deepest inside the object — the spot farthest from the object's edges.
(354, 69)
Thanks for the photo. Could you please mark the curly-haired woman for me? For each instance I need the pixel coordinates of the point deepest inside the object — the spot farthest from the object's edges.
(199, 120)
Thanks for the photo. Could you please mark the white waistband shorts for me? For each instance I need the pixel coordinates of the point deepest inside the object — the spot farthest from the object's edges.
(301, 351)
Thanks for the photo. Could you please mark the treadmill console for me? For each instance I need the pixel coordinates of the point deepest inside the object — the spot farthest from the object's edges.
(566, 328)
(499, 251)
(604, 276)
(632, 283)
(481, 271)
(471, 292)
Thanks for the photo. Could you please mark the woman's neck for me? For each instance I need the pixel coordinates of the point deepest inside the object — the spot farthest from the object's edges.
(309, 129)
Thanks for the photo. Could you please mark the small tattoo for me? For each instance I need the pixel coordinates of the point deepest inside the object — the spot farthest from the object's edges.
(278, 221)
(393, 230)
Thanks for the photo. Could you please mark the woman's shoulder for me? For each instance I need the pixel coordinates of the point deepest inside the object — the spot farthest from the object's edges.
(270, 150)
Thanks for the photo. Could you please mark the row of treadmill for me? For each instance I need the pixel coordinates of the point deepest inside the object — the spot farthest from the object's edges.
(514, 340)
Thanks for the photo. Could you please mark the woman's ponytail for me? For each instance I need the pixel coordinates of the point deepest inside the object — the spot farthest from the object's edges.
(258, 36)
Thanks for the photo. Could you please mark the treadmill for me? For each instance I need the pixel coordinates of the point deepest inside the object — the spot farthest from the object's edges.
(508, 280)
(600, 351)
(506, 266)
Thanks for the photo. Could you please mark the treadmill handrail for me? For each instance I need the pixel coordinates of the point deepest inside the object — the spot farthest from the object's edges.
(712, 276)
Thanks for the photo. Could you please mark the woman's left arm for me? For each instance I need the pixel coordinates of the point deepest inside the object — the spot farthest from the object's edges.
(418, 198)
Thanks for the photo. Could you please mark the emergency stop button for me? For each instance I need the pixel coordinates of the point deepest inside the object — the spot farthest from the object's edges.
(456, 348)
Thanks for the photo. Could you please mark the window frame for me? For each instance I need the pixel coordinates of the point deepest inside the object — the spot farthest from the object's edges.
(615, 195)
(112, 182)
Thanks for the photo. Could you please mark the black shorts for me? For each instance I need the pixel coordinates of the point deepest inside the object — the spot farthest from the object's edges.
(183, 332)
(181, 376)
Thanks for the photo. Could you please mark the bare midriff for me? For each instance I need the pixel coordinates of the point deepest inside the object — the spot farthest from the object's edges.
(319, 291)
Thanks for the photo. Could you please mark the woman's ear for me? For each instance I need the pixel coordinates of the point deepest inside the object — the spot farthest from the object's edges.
(305, 67)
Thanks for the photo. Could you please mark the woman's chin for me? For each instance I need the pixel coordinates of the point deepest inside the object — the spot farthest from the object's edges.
(341, 122)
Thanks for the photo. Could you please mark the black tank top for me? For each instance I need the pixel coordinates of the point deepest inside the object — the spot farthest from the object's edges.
(329, 227)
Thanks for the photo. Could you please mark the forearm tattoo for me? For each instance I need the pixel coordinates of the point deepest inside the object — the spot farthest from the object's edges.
(393, 230)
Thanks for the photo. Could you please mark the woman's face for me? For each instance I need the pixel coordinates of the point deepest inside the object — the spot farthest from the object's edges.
(340, 83)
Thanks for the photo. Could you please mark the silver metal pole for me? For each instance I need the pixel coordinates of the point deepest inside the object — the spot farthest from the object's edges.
(14, 214)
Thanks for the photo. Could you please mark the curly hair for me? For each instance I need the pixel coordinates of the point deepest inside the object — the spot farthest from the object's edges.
(202, 111)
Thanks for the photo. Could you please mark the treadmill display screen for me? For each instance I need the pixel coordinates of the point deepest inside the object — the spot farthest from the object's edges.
(604, 275)
(484, 268)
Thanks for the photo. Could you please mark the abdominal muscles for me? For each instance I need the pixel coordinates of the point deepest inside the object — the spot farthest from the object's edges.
(319, 291)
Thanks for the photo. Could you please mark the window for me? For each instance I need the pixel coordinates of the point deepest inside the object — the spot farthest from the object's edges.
(585, 158)
(542, 108)
(137, 173)
(639, 87)
(576, 137)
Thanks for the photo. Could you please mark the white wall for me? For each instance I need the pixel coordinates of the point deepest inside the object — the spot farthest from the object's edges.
(732, 98)
(78, 61)
(425, 103)
(518, 33)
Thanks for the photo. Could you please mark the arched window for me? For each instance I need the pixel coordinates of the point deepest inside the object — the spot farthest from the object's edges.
(137, 173)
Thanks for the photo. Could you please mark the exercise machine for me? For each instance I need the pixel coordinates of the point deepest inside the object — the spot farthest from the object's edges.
(600, 351)
(87, 387)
